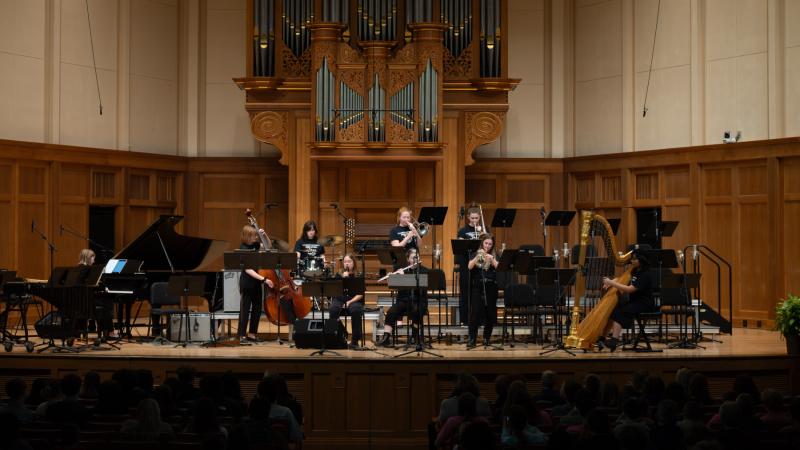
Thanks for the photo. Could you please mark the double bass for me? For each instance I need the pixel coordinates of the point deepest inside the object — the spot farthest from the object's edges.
(283, 289)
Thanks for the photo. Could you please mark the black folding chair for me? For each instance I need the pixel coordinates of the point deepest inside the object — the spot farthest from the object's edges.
(519, 298)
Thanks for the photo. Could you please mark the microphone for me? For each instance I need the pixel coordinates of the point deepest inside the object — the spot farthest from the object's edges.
(541, 212)
(270, 205)
(461, 213)
(335, 205)
(33, 225)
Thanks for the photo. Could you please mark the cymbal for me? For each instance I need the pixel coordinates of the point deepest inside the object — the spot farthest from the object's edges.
(331, 240)
(280, 244)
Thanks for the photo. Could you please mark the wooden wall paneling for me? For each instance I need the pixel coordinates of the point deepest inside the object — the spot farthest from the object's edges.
(33, 193)
(377, 184)
(423, 186)
(482, 189)
(754, 266)
(790, 224)
(358, 411)
(106, 186)
(646, 191)
(676, 184)
(326, 409)
(139, 188)
(610, 186)
(584, 191)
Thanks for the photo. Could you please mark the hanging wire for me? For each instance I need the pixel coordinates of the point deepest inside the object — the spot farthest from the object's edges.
(94, 62)
(652, 54)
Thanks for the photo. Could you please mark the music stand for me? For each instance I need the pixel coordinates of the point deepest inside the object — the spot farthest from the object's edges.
(685, 282)
(433, 215)
(560, 279)
(183, 286)
(465, 248)
(504, 218)
(416, 281)
(556, 219)
(326, 288)
(392, 256)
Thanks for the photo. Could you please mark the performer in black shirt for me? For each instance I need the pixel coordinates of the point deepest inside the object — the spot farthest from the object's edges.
(250, 286)
(471, 231)
(483, 293)
(353, 303)
(637, 297)
(404, 234)
(409, 301)
(307, 247)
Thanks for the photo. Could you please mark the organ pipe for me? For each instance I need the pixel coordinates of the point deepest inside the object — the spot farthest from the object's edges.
(297, 16)
(377, 104)
(377, 20)
(263, 38)
(457, 15)
(490, 49)
(325, 103)
(428, 101)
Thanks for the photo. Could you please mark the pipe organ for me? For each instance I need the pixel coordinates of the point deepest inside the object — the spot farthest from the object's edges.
(375, 80)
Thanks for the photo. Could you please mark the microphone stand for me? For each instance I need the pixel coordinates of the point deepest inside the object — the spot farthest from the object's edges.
(51, 246)
(90, 241)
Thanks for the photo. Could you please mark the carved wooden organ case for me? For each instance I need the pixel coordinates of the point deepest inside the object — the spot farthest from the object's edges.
(375, 74)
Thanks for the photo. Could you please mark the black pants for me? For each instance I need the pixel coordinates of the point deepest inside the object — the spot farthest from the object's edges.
(356, 311)
(250, 310)
(124, 306)
(405, 306)
(483, 312)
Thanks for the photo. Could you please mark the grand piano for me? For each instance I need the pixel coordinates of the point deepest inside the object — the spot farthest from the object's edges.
(163, 253)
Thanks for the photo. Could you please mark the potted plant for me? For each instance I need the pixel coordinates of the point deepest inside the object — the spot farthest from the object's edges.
(787, 321)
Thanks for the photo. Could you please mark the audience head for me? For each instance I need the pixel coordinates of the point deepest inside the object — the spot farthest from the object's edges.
(501, 385)
(164, 396)
(682, 376)
(467, 406)
(698, 388)
(744, 384)
(144, 380)
(634, 408)
(91, 384)
(35, 396)
(211, 386)
(15, 389)
(205, 416)
(148, 416)
(747, 404)
(268, 388)
(592, 383)
(186, 375)
(230, 385)
(549, 379)
(654, 389)
(638, 380)
(730, 415)
(584, 402)
(569, 389)
(772, 400)
(466, 383)
(610, 394)
(675, 392)
(71, 385)
(52, 391)
(667, 412)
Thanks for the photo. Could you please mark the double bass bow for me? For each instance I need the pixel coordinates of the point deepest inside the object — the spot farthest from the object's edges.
(283, 289)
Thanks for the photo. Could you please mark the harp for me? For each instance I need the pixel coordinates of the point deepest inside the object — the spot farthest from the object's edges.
(597, 257)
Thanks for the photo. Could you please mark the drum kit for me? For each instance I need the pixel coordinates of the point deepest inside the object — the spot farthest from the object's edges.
(314, 268)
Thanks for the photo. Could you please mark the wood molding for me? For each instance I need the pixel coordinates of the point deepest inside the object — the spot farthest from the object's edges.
(481, 128)
(272, 127)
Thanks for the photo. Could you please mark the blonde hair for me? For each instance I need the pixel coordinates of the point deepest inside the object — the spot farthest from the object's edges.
(400, 213)
(352, 258)
(249, 232)
(86, 256)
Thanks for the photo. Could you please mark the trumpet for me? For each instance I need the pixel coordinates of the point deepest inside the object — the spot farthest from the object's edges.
(421, 227)
(483, 261)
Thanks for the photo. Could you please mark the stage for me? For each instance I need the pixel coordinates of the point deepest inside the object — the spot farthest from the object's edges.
(366, 399)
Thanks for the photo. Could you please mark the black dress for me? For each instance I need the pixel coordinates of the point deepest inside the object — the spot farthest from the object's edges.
(252, 301)
(483, 300)
(469, 233)
(639, 301)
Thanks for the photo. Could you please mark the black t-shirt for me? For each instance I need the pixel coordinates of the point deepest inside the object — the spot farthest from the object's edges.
(469, 232)
(399, 233)
(246, 281)
(642, 280)
(477, 275)
(308, 248)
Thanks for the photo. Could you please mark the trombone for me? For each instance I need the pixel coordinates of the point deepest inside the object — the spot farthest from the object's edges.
(421, 227)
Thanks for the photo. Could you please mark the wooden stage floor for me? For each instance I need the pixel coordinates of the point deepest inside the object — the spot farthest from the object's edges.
(742, 343)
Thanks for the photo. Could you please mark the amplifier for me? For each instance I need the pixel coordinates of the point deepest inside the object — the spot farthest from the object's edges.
(309, 333)
(199, 327)
(231, 293)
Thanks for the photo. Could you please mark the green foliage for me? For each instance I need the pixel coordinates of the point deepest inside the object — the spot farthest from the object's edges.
(787, 316)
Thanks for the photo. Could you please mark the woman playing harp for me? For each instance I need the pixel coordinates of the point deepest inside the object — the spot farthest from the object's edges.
(584, 334)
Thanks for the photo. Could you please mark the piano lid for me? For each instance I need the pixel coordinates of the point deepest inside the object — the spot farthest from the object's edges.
(185, 252)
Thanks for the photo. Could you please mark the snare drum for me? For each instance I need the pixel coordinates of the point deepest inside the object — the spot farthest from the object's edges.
(313, 267)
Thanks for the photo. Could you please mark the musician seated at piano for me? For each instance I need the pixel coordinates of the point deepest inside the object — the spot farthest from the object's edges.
(404, 234)
(86, 258)
(307, 247)
(411, 302)
(354, 304)
(250, 286)
(483, 293)
(471, 231)
(635, 298)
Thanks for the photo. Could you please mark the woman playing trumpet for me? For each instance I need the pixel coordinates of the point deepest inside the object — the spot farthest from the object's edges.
(483, 291)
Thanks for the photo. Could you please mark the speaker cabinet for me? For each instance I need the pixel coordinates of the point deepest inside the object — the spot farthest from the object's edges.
(309, 333)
